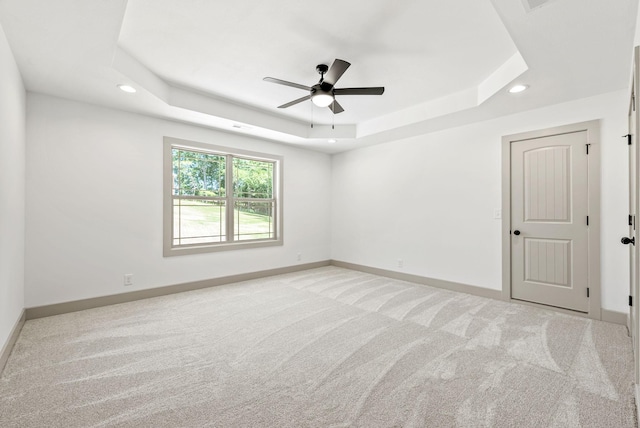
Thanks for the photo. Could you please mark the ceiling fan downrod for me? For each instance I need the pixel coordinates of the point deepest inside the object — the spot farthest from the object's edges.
(321, 69)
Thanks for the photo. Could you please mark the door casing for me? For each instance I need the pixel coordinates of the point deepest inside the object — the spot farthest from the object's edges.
(593, 132)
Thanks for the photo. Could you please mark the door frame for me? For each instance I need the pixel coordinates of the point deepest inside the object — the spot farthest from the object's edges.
(633, 183)
(593, 137)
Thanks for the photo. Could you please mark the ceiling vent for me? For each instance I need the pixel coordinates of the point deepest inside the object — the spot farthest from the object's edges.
(530, 5)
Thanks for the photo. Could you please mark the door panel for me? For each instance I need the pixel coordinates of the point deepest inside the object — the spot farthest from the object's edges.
(547, 261)
(549, 186)
(546, 184)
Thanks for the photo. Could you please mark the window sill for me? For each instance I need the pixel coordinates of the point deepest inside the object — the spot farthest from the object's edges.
(201, 249)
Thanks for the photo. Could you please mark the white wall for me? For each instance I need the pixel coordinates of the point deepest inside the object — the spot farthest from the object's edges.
(430, 200)
(94, 201)
(12, 185)
(94, 204)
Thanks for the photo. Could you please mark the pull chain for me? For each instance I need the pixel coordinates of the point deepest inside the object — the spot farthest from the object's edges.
(333, 116)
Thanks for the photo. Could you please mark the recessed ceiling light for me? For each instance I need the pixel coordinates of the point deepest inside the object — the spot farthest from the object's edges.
(518, 88)
(332, 140)
(127, 88)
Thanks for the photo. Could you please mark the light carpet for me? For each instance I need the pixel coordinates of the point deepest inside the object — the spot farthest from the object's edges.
(327, 347)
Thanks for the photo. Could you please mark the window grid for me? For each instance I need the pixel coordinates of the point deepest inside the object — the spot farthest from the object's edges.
(179, 239)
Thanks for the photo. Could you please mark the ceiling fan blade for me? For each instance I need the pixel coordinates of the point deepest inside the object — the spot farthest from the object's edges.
(359, 91)
(285, 83)
(336, 71)
(294, 102)
(335, 107)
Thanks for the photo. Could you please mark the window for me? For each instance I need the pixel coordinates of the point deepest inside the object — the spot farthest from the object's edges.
(217, 198)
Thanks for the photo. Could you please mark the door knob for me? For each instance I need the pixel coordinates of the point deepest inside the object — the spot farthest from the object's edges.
(627, 241)
(516, 232)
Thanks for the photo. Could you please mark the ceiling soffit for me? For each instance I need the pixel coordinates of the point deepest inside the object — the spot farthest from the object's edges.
(433, 59)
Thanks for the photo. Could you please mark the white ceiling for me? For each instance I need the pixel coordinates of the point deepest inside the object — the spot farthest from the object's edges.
(442, 63)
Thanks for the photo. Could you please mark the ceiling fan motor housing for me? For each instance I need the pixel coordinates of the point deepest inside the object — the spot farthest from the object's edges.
(322, 87)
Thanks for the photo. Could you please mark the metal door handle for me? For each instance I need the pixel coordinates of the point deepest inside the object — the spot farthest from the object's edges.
(627, 241)
(516, 232)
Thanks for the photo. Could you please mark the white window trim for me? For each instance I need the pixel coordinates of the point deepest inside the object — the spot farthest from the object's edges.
(167, 170)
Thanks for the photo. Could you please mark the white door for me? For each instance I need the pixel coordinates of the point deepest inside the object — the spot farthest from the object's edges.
(631, 239)
(549, 223)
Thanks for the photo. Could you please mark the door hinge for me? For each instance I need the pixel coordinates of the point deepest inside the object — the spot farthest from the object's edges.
(630, 220)
(630, 300)
(587, 291)
(628, 137)
(587, 220)
(587, 147)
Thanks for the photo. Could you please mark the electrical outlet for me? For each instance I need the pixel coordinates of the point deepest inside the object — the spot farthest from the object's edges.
(497, 213)
(299, 256)
(400, 263)
(128, 279)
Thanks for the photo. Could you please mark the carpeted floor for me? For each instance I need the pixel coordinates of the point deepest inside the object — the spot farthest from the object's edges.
(327, 347)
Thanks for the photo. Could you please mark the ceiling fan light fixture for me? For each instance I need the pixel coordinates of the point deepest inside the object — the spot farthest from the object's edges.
(322, 99)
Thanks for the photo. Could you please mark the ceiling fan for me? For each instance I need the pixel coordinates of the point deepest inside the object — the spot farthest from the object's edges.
(323, 93)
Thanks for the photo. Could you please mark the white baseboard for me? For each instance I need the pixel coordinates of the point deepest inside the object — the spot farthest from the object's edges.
(438, 283)
(96, 302)
(78, 305)
(636, 390)
(614, 317)
(11, 340)
(606, 315)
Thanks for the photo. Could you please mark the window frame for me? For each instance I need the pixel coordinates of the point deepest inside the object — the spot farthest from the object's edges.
(169, 249)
